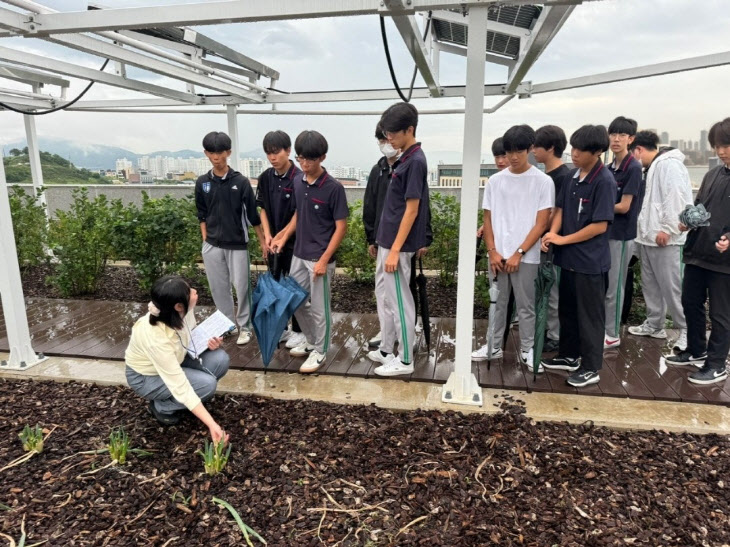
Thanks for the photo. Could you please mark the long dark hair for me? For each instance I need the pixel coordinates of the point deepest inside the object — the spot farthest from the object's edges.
(167, 292)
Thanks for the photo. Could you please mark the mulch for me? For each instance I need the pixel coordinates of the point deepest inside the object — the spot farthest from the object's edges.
(120, 283)
(311, 473)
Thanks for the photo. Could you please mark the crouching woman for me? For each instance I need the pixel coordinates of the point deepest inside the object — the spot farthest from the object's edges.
(160, 369)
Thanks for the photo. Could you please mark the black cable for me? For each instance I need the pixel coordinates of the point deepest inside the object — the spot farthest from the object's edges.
(390, 61)
(52, 110)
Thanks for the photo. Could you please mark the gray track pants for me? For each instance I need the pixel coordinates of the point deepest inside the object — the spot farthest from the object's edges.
(396, 307)
(315, 319)
(226, 267)
(621, 253)
(661, 283)
(522, 283)
(202, 377)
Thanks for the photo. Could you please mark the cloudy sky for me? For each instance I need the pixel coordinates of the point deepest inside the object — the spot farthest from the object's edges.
(347, 53)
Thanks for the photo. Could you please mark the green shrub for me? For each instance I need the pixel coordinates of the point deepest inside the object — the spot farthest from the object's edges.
(159, 238)
(353, 252)
(81, 241)
(30, 228)
(444, 252)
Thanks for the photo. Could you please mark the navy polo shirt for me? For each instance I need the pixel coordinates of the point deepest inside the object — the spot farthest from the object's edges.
(318, 206)
(583, 203)
(275, 195)
(628, 177)
(409, 181)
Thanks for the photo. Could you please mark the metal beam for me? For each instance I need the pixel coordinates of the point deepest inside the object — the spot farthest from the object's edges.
(77, 71)
(229, 68)
(411, 34)
(25, 75)
(462, 386)
(238, 11)
(547, 26)
(109, 50)
(490, 57)
(25, 102)
(13, 21)
(646, 71)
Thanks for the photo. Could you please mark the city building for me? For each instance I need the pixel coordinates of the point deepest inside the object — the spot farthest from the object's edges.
(253, 167)
(704, 144)
(665, 137)
(449, 175)
(674, 143)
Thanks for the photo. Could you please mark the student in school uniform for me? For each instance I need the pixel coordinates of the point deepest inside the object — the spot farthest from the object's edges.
(320, 224)
(274, 195)
(627, 173)
(550, 143)
(517, 205)
(226, 207)
(401, 233)
(583, 213)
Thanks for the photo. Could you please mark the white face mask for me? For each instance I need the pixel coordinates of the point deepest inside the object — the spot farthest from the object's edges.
(387, 150)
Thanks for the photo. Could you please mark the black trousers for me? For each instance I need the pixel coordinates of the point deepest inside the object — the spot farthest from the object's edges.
(283, 265)
(698, 284)
(582, 314)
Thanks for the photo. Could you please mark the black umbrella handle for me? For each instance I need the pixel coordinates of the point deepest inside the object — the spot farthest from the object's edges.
(420, 264)
(549, 254)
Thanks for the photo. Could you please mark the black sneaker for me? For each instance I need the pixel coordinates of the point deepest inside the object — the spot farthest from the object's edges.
(561, 363)
(583, 378)
(551, 345)
(684, 358)
(708, 376)
(161, 417)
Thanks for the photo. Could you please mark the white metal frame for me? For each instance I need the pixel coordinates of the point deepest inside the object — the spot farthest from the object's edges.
(238, 80)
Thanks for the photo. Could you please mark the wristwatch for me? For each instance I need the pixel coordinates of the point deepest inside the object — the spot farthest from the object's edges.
(521, 251)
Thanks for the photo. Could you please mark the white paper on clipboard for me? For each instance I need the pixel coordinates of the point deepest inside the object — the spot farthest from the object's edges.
(214, 326)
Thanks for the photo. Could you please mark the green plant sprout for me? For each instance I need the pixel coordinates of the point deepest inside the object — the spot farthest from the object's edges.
(214, 457)
(118, 445)
(32, 439)
(245, 528)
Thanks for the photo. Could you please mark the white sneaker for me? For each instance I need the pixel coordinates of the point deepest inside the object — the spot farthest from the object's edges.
(646, 330)
(378, 357)
(394, 367)
(680, 344)
(481, 354)
(301, 351)
(313, 362)
(295, 340)
(375, 340)
(527, 358)
(285, 335)
(610, 342)
(244, 337)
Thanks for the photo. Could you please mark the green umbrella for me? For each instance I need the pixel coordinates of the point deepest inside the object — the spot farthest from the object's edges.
(543, 283)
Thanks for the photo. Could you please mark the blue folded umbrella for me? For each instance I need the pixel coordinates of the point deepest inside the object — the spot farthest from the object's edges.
(273, 303)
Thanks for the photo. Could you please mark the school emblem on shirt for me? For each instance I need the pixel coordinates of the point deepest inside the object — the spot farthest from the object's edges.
(234, 187)
(316, 206)
(206, 187)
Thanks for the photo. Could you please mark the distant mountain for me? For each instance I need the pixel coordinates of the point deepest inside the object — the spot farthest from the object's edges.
(99, 156)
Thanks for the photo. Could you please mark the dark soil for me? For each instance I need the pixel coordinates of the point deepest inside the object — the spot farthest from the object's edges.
(309, 473)
(122, 284)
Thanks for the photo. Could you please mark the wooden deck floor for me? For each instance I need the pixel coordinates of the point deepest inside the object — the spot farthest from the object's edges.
(97, 329)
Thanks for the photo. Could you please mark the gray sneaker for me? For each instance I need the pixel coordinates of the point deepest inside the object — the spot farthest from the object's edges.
(708, 376)
(647, 330)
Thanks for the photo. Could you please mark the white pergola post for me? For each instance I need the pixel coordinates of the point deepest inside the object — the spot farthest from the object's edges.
(232, 114)
(462, 386)
(22, 355)
(34, 157)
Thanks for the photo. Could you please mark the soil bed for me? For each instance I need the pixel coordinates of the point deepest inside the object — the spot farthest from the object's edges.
(307, 473)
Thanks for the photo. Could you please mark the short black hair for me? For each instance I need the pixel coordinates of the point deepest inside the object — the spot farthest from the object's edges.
(498, 147)
(623, 125)
(379, 132)
(551, 136)
(166, 293)
(518, 137)
(590, 138)
(310, 145)
(719, 134)
(399, 117)
(645, 139)
(216, 142)
(274, 141)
